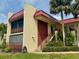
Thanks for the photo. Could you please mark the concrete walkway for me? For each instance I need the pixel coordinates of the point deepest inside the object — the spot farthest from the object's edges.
(71, 52)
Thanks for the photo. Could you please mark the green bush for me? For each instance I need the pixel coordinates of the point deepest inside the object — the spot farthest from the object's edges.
(59, 36)
(69, 40)
(7, 49)
(3, 45)
(50, 44)
(60, 49)
(56, 44)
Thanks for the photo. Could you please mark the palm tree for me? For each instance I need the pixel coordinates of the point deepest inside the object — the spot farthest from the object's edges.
(75, 8)
(63, 7)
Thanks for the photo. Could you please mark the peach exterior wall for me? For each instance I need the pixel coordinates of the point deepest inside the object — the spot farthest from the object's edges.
(30, 33)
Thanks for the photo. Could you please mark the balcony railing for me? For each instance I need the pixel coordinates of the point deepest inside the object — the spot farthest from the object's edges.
(17, 30)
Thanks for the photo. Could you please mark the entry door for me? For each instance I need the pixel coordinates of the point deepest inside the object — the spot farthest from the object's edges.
(16, 42)
(42, 31)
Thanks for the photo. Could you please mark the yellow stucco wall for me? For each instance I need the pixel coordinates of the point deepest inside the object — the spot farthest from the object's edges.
(8, 28)
(30, 33)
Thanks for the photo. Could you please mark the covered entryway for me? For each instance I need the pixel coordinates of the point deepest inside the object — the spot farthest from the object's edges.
(15, 42)
(42, 31)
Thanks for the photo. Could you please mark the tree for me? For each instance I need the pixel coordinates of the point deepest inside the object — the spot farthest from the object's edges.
(75, 8)
(63, 7)
(3, 30)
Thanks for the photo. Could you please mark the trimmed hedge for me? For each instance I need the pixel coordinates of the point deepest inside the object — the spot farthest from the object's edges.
(7, 49)
(60, 49)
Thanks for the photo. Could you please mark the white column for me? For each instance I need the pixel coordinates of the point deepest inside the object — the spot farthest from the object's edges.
(74, 34)
(56, 32)
(78, 35)
(8, 28)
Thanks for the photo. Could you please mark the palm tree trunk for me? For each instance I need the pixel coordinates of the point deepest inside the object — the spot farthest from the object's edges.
(63, 32)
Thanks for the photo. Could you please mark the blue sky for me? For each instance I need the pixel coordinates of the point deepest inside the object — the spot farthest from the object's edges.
(17, 5)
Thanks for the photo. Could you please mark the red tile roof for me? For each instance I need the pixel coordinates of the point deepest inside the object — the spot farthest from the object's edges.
(40, 12)
(17, 15)
(37, 13)
(70, 20)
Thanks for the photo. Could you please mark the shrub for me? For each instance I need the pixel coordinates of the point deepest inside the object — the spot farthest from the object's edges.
(7, 49)
(69, 40)
(56, 44)
(60, 49)
(50, 44)
(3, 45)
(59, 36)
(47, 49)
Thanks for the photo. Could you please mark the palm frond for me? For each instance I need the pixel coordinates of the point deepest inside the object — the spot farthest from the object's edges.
(56, 6)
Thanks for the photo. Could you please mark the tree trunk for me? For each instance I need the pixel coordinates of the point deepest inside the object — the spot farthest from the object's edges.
(63, 32)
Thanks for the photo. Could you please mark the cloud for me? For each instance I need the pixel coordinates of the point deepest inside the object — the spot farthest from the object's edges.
(68, 16)
(57, 17)
(3, 18)
(9, 6)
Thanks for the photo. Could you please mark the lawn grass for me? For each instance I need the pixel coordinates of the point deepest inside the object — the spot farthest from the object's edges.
(39, 56)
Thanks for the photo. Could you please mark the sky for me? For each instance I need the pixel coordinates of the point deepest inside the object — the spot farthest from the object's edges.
(14, 6)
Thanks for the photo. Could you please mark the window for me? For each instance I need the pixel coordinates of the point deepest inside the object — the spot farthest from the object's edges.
(20, 24)
(13, 25)
(17, 26)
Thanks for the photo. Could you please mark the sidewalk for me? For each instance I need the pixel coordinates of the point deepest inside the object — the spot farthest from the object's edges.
(71, 52)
